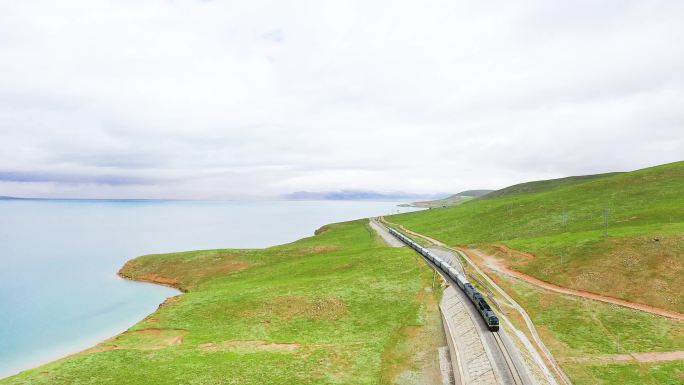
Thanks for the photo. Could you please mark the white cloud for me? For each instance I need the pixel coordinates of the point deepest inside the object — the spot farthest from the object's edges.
(237, 99)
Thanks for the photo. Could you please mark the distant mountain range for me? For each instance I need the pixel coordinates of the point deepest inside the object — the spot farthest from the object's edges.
(341, 195)
(357, 195)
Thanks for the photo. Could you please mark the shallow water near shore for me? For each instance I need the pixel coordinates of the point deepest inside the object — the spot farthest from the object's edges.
(59, 292)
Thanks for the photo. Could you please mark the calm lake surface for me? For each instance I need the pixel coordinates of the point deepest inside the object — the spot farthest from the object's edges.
(59, 292)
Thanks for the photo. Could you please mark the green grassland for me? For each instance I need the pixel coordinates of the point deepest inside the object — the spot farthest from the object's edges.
(658, 373)
(641, 259)
(335, 308)
(580, 327)
(584, 334)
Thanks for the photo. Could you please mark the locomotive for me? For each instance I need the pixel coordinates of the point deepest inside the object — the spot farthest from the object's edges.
(490, 319)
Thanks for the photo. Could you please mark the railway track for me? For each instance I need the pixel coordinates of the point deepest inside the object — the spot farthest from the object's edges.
(509, 373)
(496, 336)
(515, 375)
(550, 368)
(501, 346)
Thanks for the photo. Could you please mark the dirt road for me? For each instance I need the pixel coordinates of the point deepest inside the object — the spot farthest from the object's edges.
(677, 355)
(500, 266)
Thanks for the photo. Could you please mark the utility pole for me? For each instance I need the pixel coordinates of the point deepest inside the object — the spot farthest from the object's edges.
(564, 217)
(433, 279)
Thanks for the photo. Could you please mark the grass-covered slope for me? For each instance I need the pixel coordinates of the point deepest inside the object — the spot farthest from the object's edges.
(593, 340)
(336, 308)
(541, 185)
(641, 259)
(452, 200)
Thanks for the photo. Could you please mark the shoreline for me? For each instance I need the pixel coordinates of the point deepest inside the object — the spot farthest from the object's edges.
(36, 354)
(150, 280)
(345, 249)
(93, 342)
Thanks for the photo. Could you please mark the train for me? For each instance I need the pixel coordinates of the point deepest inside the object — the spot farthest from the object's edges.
(490, 319)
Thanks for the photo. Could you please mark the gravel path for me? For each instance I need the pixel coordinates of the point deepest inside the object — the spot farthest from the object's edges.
(381, 230)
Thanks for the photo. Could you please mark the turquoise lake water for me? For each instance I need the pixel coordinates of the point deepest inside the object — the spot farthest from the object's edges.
(59, 292)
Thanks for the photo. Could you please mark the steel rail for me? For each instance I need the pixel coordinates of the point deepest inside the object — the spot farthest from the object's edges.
(509, 360)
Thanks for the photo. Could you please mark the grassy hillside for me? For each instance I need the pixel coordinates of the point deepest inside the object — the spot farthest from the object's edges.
(336, 308)
(452, 200)
(541, 185)
(644, 246)
(583, 336)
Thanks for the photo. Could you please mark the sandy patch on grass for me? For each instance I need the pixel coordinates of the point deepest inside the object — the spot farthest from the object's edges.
(144, 339)
(329, 307)
(298, 306)
(300, 252)
(517, 256)
(96, 349)
(158, 278)
(249, 346)
(149, 339)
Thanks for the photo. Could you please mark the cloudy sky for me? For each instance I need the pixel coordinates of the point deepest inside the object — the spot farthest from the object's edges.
(251, 99)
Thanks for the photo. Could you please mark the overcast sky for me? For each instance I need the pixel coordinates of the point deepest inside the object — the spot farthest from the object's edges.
(250, 99)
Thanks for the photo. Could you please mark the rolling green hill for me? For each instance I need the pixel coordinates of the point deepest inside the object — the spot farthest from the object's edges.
(336, 308)
(542, 185)
(452, 200)
(640, 259)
